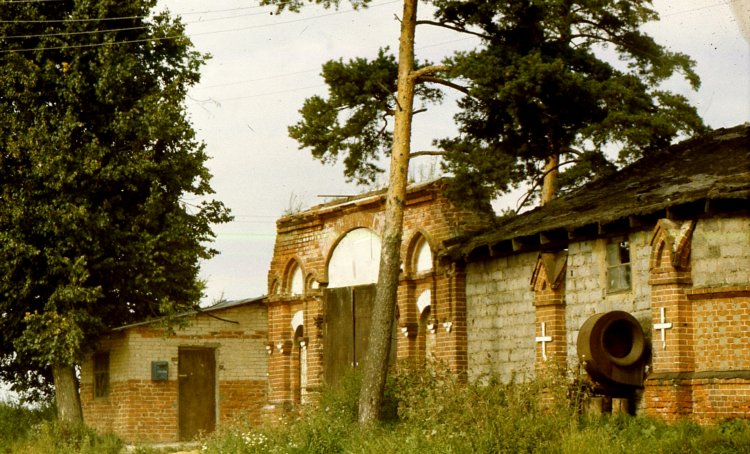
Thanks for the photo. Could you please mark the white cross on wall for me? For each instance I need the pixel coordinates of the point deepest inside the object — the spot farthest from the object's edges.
(544, 339)
(663, 326)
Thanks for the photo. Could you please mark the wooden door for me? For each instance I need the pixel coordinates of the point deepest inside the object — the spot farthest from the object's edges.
(348, 319)
(362, 301)
(197, 391)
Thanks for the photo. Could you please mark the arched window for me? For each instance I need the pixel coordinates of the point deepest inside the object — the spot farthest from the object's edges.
(355, 260)
(422, 256)
(296, 280)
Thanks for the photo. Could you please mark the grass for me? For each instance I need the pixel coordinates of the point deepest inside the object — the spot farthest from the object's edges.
(426, 411)
(434, 412)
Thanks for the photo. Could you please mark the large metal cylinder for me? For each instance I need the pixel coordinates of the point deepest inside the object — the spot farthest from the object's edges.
(611, 346)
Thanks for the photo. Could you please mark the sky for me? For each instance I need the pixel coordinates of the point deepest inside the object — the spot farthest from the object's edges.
(264, 66)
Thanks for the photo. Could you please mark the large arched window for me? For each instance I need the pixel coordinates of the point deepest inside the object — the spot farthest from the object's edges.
(355, 260)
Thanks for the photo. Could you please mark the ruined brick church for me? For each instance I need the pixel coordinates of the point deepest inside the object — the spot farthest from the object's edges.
(639, 282)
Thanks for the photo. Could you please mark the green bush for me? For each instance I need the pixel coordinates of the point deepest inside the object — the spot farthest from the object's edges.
(33, 431)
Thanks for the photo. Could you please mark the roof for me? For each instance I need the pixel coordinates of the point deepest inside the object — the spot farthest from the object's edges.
(703, 173)
(221, 305)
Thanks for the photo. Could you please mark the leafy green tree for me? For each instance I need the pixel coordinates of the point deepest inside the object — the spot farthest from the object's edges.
(105, 206)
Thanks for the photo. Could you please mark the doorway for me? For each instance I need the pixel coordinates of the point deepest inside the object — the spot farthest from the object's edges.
(196, 391)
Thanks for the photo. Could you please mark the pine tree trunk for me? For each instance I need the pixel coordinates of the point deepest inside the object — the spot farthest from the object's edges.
(376, 361)
(67, 398)
(551, 172)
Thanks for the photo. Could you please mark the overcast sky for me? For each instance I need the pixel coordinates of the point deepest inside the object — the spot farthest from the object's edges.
(265, 65)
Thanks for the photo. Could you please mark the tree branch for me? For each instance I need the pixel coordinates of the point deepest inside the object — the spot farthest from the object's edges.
(539, 179)
(451, 27)
(447, 83)
(421, 72)
(417, 154)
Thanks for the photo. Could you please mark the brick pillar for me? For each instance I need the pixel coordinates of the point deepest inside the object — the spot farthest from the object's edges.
(314, 335)
(668, 388)
(450, 314)
(280, 359)
(407, 319)
(548, 284)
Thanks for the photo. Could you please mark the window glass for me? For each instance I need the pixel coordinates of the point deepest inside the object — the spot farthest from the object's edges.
(618, 265)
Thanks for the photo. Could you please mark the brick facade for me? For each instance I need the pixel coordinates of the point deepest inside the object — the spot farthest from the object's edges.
(138, 408)
(435, 330)
(702, 370)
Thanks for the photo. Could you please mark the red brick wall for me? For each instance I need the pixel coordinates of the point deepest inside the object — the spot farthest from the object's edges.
(308, 240)
(549, 304)
(702, 372)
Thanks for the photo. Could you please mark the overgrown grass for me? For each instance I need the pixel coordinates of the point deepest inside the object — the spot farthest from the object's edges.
(427, 412)
(436, 413)
(35, 431)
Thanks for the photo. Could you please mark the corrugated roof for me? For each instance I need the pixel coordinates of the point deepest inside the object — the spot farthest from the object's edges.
(221, 305)
(713, 167)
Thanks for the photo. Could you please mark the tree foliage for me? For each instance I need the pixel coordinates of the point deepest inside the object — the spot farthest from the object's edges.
(560, 78)
(353, 121)
(104, 208)
(572, 79)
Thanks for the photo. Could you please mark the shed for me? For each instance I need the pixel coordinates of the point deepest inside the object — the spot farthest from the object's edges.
(147, 383)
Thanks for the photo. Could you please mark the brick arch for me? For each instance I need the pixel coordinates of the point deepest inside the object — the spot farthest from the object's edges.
(289, 271)
(670, 244)
(275, 287)
(311, 282)
(410, 256)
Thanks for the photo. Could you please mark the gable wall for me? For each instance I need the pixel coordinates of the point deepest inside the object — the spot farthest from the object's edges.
(309, 238)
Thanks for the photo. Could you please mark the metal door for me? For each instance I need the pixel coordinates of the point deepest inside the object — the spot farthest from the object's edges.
(196, 391)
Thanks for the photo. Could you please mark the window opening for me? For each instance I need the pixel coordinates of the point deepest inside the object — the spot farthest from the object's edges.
(618, 265)
(423, 256)
(297, 284)
(101, 374)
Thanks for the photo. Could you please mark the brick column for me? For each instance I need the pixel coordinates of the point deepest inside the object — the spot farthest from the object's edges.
(280, 360)
(450, 314)
(668, 389)
(548, 284)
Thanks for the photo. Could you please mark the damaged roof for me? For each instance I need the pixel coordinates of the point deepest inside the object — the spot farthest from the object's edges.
(702, 173)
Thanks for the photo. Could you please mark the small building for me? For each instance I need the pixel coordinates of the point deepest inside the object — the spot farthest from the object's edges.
(149, 384)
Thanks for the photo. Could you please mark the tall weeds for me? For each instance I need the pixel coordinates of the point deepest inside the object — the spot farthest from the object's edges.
(433, 411)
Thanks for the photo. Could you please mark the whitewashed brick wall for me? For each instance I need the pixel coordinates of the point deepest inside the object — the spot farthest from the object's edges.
(500, 317)
(586, 283)
(720, 255)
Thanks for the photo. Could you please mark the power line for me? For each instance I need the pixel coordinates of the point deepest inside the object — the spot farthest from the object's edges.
(251, 27)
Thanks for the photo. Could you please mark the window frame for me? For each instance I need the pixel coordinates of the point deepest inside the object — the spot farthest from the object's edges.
(101, 366)
(617, 259)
